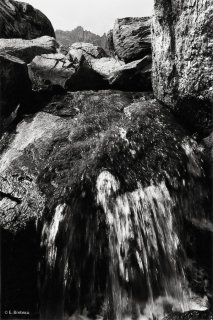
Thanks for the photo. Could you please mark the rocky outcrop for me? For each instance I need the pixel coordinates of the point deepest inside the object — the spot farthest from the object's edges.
(132, 38)
(182, 59)
(21, 20)
(15, 86)
(135, 76)
(26, 50)
(79, 52)
(50, 69)
(110, 42)
(83, 72)
(87, 166)
(106, 66)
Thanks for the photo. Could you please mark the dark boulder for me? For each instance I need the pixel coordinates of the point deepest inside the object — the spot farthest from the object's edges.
(21, 20)
(15, 86)
(182, 60)
(132, 38)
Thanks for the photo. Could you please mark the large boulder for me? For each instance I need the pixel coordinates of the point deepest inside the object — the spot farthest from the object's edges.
(106, 66)
(95, 74)
(21, 20)
(85, 51)
(15, 86)
(132, 38)
(183, 61)
(134, 76)
(26, 50)
(50, 69)
(109, 178)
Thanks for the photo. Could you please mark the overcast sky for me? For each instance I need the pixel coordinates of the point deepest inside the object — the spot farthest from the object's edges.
(95, 15)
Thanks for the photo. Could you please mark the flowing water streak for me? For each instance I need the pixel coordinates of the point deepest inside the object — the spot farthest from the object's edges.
(144, 215)
(50, 232)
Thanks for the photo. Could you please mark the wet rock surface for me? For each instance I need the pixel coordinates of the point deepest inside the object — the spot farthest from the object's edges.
(110, 187)
(21, 20)
(182, 58)
(73, 167)
(191, 315)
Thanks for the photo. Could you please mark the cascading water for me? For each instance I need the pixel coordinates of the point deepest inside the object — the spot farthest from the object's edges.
(114, 246)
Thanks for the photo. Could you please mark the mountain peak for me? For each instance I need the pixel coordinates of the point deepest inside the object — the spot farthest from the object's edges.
(79, 34)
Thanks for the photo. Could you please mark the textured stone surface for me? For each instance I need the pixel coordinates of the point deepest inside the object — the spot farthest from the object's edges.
(190, 315)
(85, 51)
(182, 56)
(110, 42)
(135, 76)
(109, 72)
(21, 20)
(21, 160)
(28, 49)
(106, 66)
(132, 38)
(50, 69)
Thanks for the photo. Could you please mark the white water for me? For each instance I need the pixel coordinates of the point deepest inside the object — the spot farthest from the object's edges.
(144, 215)
(50, 233)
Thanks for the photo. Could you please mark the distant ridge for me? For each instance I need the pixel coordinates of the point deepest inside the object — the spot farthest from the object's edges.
(66, 38)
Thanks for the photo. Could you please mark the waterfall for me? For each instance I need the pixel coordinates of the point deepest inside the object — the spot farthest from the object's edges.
(115, 252)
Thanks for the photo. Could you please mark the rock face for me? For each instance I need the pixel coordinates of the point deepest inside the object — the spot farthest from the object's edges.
(85, 51)
(107, 175)
(190, 315)
(50, 69)
(182, 58)
(134, 76)
(110, 42)
(26, 50)
(106, 66)
(21, 20)
(15, 85)
(132, 38)
(81, 71)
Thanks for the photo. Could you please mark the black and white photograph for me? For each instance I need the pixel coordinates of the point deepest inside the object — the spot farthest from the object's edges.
(106, 160)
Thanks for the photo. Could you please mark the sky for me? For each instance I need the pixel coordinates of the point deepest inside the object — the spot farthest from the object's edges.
(94, 15)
